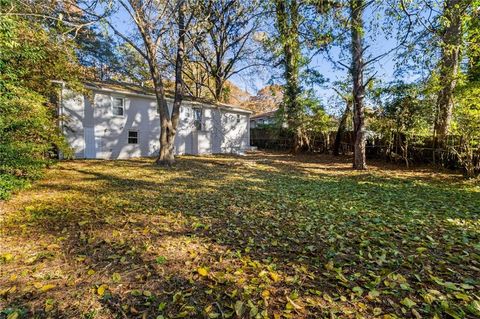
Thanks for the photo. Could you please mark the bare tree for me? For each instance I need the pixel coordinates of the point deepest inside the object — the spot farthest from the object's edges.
(224, 43)
(360, 61)
(153, 20)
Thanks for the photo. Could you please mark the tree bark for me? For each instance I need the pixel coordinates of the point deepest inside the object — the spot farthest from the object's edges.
(167, 135)
(218, 96)
(449, 67)
(165, 154)
(342, 127)
(357, 70)
(288, 23)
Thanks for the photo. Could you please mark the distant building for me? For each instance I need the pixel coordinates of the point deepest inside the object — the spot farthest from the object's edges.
(267, 118)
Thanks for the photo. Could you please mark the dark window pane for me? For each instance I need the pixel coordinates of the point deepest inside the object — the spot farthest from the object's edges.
(118, 102)
(197, 118)
(117, 106)
(118, 111)
(132, 137)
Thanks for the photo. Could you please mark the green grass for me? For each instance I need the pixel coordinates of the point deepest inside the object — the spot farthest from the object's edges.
(10, 184)
(225, 237)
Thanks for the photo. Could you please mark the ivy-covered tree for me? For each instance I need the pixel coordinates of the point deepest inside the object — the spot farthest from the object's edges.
(298, 36)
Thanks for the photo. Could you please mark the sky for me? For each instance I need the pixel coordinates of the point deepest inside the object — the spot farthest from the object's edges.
(379, 44)
(328, 97)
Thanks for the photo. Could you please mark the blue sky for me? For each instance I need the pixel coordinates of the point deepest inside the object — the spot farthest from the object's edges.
(379, 43)
(385, 68)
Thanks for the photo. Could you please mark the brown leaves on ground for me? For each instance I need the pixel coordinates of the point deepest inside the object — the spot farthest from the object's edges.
(269, 236)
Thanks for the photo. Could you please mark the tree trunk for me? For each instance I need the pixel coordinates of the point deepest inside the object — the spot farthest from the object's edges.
(168, 132)
(449, 67)
(342, 127)
(356, 11)
(288, 24)
(218, 88)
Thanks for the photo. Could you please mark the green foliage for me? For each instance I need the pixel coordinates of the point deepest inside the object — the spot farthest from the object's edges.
(473, 43)
(9, 184)
(466, 124)
(315, 119)
(406, 109)
(30, 58)
(467, 112)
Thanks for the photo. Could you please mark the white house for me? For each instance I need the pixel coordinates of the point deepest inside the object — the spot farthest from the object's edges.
(111, 120)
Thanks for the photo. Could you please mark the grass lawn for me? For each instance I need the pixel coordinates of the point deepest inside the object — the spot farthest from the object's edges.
(264, 236)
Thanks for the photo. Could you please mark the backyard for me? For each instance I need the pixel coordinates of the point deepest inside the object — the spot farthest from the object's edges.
(260, 236)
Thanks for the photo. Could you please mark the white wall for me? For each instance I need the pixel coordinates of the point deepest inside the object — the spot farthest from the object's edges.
(220, 131)
(72, 121)
(230, 134)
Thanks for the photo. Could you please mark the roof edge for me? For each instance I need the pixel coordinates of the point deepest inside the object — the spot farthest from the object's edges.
(103, 86)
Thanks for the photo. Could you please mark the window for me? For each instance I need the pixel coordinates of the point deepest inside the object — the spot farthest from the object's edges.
(197, 119)
(132, 137)
(118, 104)
(238, 118)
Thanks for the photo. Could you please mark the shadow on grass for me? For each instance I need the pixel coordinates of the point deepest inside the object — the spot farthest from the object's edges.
(257, 224)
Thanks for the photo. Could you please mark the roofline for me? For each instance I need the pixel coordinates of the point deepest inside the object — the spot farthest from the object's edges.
(221, 106)
(265, 114)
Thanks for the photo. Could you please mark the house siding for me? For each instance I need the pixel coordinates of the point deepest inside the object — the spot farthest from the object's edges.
(221, 133)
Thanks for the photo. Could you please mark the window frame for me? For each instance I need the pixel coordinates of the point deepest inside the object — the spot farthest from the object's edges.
(136, 137)
(112, 99)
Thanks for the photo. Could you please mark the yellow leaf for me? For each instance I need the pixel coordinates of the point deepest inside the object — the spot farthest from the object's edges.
(13, 315)
(4, 291)
(49, 305)
(329, 265)
(90, 272)
(47, 287)
(265, 293)
(53, 246)
(202, 271)
(7, 257)
(295, 306)
(101, 289)
(275, 277)
(116, 277)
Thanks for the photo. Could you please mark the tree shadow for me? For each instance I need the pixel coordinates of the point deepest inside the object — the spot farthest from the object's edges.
(155, 227)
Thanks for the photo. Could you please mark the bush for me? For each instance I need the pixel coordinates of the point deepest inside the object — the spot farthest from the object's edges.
(31, 55)
(9, 184)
